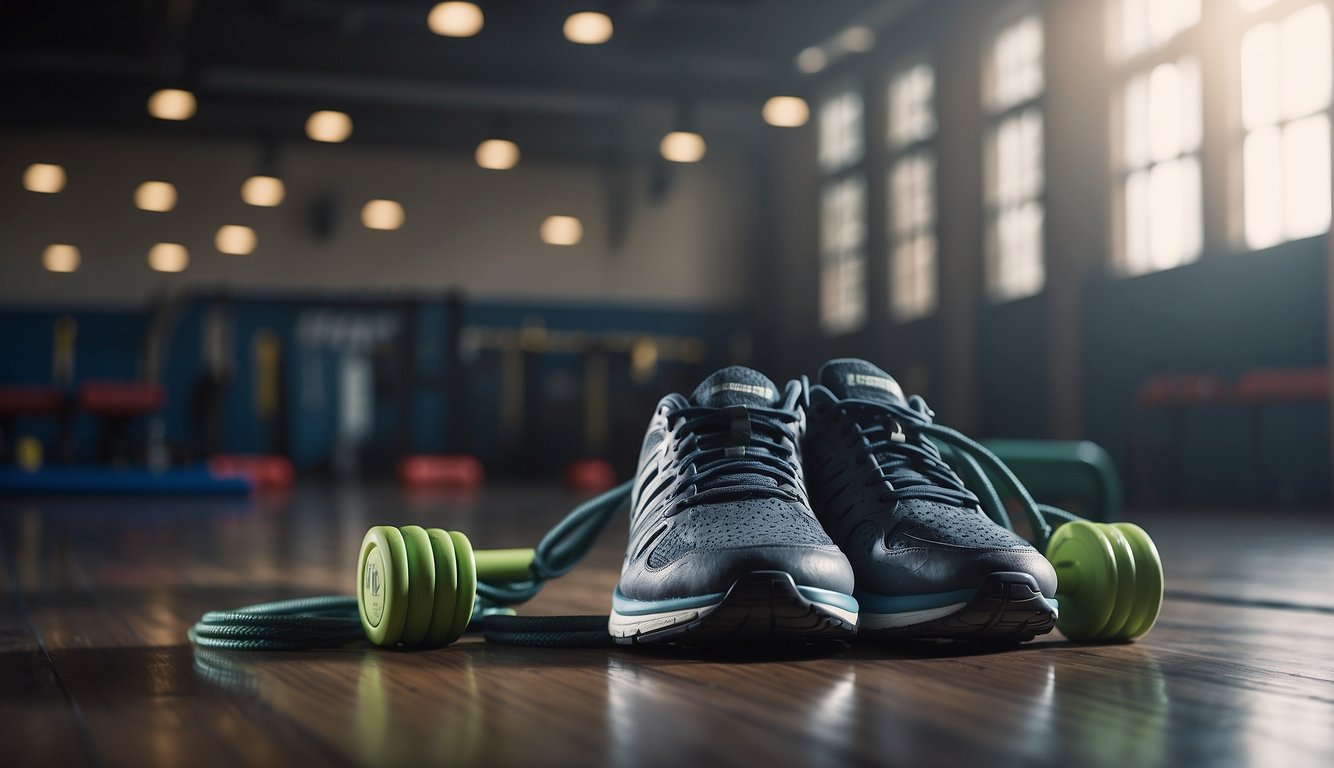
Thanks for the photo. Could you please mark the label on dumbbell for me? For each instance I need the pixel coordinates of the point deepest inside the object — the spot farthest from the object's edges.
(372, 587)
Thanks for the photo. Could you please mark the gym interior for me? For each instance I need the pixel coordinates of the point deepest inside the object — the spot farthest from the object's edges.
(292, 289)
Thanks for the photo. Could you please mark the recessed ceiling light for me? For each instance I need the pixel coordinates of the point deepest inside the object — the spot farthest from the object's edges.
(168, 257)
(857, 39)
(157, 196)
(263, 191)
(235, 239)
(329, 126)
(588, 28)
(382, 214)
(60, 257)
(172, 104)
(682, 147)
(455, 19)
(497, 154)
(812, 60)
(561, 230)
(46, 178)
(786, 111)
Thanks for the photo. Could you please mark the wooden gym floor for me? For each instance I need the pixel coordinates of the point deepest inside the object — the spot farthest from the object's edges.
(96, 596)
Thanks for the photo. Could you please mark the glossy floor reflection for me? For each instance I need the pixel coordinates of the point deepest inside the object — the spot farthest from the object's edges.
(95, 667)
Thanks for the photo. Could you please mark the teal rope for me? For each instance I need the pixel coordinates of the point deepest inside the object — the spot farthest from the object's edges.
(333, 621)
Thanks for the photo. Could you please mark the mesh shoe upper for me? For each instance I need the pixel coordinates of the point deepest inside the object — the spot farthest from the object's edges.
(720, 493)
(907, 523)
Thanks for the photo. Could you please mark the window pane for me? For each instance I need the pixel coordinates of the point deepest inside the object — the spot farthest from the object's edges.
(1164, 112)
(911, 106)
(1306, 65)
(841, 131)
(1306, 195)
(1147, 24)
(1261, 163)
(1016, 268)
(1259, 76)
(913, 278)
(1015, 69)
(1173, 213)
(1135, 142)
(843, 256)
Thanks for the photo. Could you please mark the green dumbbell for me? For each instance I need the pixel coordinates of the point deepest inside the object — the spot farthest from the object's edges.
(1109, 580)
(416, 586)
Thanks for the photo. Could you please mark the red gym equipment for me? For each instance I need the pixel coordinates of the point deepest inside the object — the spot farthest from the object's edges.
(441, 471)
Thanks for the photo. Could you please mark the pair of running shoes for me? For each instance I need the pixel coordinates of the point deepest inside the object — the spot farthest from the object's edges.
(812, 512)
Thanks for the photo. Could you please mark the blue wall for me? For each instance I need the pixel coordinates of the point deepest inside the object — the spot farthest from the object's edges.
(416, 334)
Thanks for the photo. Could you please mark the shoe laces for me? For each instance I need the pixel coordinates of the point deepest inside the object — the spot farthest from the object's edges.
(905, 443)
(736, 451)
(909, 465)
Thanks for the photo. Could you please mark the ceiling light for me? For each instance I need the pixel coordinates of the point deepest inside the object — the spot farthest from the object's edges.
(157, 196)
(786, 111)
(857, 39)
(382, 214)
(455, 19)
(561, 230)
(812, 60)
(588, 28)
(329, 126)
(60, 257)
(235, 239)
(263, 191)
(682, 147)
(46, 178)
(497, 154)
(172, 104)
(168, 257)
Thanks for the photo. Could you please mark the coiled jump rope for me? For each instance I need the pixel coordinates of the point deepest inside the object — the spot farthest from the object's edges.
(424, 588)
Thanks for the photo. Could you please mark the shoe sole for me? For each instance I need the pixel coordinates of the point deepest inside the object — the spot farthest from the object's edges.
(761, 606)
(1007, 608)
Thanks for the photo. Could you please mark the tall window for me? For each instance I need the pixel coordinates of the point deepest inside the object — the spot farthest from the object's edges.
(912, 197)
(1285, 110)
(1013, 84)
(842, 214)
(1159, 125)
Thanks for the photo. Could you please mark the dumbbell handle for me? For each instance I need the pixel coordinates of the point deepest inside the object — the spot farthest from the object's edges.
(504, 564)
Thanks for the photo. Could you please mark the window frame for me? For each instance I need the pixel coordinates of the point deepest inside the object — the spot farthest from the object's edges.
(1241, 22)
(917, 147)
(1185, 44)
(992, 118)
(830, 177)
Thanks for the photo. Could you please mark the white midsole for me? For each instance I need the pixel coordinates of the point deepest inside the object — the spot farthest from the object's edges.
(907, 618)
(627, 626)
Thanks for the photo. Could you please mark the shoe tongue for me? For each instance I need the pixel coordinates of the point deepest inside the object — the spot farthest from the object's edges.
(736, 385)
(858, 379)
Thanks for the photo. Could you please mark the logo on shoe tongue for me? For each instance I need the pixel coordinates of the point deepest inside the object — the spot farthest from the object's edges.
(745, 389)
(874, 382)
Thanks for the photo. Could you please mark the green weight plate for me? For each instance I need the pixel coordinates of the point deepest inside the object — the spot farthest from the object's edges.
(421, 584)
(1125, 583)
(1085, 578)
(467, 592)
(446, 587)
(1148, 582)
(382, 584)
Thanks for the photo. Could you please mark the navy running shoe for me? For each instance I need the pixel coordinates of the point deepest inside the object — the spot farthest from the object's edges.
(929, 562)
(723, 544)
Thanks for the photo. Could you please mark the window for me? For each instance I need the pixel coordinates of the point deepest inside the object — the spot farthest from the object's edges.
(1159, 123)
(1013, 83)
(842, 214)
(1285, 100)
(912, 202)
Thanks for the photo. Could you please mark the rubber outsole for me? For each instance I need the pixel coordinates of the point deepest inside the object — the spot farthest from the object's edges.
(1008, 608)
(760, 607)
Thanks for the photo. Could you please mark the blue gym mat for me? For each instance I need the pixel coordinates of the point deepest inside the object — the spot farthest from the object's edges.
(112, 481)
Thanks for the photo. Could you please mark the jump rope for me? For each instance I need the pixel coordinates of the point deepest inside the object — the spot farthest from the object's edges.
(423, 588)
